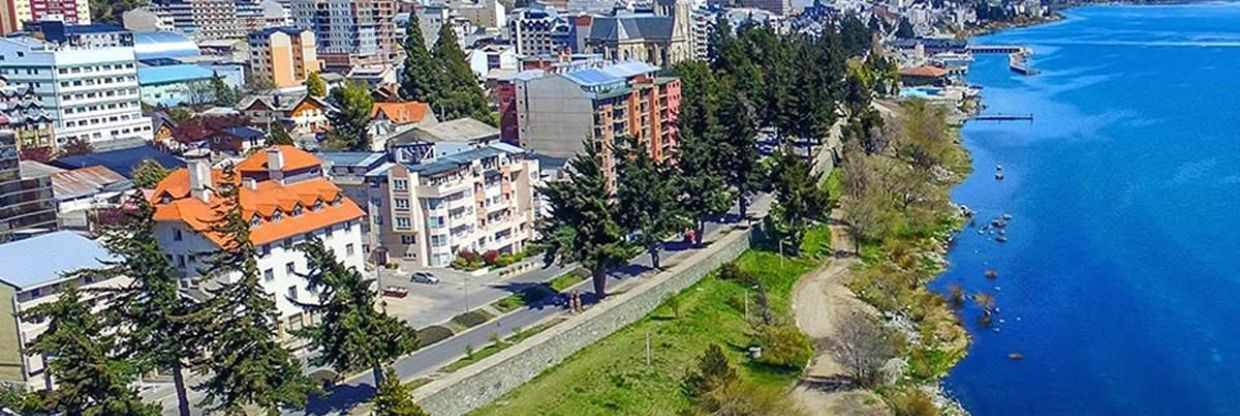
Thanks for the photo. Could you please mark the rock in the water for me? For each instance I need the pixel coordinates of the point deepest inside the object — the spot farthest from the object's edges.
(1016, 356)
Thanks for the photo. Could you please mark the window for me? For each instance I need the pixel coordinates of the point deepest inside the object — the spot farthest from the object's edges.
(269, 275)
(402, 223)
(180, 261)
(348, 249)
(176, 235)
(400, 184)
(406, 239)
(436, 222)
(290, 269)
(292, 292)
(265, 249)
(402, 203)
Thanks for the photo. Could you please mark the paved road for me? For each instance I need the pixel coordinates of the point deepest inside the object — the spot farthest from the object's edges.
(358, 390)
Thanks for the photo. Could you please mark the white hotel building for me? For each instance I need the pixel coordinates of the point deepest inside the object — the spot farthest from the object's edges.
(90, 93)
(287, 200)
(431, 201)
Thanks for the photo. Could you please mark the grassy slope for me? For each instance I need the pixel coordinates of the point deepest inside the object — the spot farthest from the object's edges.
(610, 377)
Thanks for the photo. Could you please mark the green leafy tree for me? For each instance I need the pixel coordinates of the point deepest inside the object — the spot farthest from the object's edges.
(799, 201)
(459, 92)
(647, 197)
(151, 316)
(583, 226)
(180, 114)
(90, 379)
(224, 95)
(351, 118)
(247, 365)
(394, 398)
(704, 193)
(148, 173)
(110, 11)
(352, 334)
(315, 85)
(279, 135)
(419, 81)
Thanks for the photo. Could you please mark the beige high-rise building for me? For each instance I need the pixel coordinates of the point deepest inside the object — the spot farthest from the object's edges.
(285, 56)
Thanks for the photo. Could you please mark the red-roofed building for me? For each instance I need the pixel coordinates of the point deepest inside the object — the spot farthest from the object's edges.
(923, 75)
(286, 199)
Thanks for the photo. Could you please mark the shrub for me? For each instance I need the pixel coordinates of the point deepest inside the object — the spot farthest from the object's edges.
(730, 271)
(472, 318)
(713, 371)
(505, 260)
(467, 260)
(912, 402)
(432, 334)
(784, 346)
(490, 257)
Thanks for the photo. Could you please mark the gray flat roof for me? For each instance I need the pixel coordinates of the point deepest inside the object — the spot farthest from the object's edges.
(43, 259)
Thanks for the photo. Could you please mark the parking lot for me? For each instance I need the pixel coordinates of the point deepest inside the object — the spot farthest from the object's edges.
(429, 304)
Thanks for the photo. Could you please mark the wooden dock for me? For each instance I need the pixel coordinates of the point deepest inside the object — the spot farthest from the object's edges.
(1002, 117)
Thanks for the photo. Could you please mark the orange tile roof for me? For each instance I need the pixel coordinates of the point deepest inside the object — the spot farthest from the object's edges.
(925, 71)
(401, 113)
(294, 159)
(173, 202)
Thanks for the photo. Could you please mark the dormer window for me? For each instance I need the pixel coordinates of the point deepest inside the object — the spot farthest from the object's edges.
(256, 221)
(297, 210)
(318, 205)
(277, 216)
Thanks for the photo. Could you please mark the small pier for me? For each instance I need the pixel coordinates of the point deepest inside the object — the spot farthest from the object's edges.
(1002, 117)
(1005, 49)
(1017, 63)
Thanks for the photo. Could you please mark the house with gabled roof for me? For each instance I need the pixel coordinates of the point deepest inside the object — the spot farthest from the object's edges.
(285, 198)
(302, 114)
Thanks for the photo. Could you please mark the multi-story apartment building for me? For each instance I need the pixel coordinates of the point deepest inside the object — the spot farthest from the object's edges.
(29, 277)
(776, 7)
(543, 31)
(285, 56)
(21, 112)
(14, 13)
(553, 113)
(27, 204)
(88, 86)
(210, 19)
(430, 201)
(350, 32)
(286, 199)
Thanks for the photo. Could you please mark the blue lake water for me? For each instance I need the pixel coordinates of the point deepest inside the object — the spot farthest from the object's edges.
(1120, 282)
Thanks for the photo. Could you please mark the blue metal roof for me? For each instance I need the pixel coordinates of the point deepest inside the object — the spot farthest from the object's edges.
(121, 161)
(39, 260)
(152, 75)
(629, 69)
(591, 77)
(154, 45)
(244, 132)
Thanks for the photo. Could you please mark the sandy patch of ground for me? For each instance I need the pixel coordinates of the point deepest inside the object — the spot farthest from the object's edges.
(820, 301)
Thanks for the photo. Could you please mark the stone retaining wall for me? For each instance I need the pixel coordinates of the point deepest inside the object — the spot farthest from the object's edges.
(485, 381)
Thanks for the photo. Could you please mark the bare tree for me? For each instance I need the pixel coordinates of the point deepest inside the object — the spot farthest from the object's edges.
(862, 347)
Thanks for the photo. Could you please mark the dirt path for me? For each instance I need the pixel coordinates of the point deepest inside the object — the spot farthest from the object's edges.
(819, 301)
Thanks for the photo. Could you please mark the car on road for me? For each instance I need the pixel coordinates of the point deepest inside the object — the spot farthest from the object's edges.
(424, 277)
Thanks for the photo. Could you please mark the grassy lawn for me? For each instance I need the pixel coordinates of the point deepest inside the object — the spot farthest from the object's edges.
(568, 279)
(611, 376)
(522, 299)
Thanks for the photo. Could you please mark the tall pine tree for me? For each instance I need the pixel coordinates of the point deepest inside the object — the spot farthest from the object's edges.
(352, 334)
(646, 192)
(799, 201)
(152, 318)
(79, 354)
(739, 157)
(394, 398)
(703, 192)
(247, 365)
(583, 226)
(351, 118)
(459, 92)
(419, 81)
